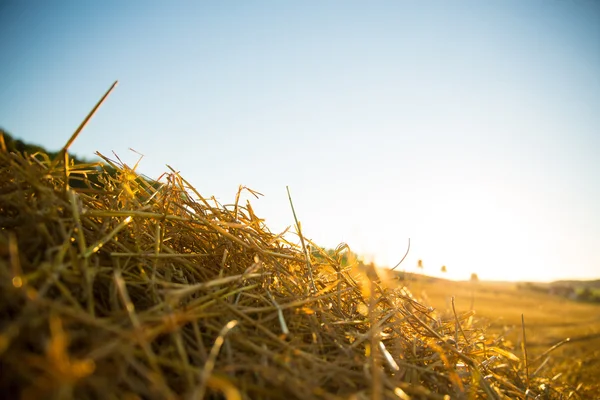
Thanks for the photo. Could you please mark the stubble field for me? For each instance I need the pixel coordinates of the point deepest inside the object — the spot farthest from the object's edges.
(549, 320)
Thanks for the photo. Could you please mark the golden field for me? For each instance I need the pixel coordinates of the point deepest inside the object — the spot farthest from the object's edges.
(549, 320)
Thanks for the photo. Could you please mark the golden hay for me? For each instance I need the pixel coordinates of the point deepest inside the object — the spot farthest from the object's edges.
(125, 288)
(117, 287)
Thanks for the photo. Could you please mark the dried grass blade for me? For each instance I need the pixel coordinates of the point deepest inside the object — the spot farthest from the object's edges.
(212, 358)
(98, 245)
(65, 148)
(306, 255)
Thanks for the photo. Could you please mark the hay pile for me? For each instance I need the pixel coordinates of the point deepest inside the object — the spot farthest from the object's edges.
(129, 289)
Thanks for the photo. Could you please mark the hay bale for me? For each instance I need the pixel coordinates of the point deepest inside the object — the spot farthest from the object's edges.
(126, 288)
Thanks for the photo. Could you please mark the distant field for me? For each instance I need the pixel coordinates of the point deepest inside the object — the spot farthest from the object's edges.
(548, 320)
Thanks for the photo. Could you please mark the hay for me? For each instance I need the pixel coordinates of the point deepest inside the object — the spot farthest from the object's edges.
(126, 288)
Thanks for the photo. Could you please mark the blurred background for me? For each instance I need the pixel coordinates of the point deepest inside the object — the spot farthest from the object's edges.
(470, 127)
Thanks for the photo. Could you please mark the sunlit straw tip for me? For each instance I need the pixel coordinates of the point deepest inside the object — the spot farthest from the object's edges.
(128, 220)
(17, 281)
(401, 394)
(231, 324)
(388, 357)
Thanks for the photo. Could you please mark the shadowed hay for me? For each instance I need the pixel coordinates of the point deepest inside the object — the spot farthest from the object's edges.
(126, 288)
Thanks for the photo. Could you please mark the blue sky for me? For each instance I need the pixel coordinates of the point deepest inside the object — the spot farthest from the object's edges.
(471, 127)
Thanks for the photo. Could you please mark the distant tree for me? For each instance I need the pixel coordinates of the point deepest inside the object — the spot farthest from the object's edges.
(474, 280)
(420, 264)
(443, 269)
(585, 294)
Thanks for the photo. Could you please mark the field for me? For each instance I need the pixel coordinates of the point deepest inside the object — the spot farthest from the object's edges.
(548, 321)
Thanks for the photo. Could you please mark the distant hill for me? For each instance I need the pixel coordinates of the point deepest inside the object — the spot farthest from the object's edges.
(14, 145)
(576, 290)
(19, 146)
(594, 284)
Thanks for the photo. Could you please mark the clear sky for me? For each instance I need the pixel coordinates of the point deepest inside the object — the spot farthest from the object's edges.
(470, 127)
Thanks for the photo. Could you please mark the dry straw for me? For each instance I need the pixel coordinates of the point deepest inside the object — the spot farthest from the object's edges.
(127, 288)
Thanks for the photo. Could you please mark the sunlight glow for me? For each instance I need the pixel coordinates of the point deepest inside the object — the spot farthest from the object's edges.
(470, 128)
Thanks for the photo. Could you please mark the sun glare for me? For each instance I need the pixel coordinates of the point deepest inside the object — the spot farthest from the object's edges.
(470, 231)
